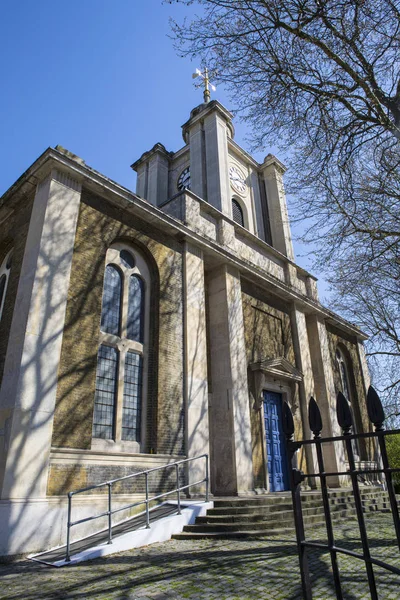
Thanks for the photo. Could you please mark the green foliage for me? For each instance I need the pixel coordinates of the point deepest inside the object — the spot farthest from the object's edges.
(393, 450)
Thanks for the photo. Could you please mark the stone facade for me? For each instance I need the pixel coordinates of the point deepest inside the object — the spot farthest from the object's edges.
(13, 233)
(232, 329)
(97, 228)
(349, 347)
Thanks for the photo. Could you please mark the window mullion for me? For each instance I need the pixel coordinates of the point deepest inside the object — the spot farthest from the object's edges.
(120, 395)
(122, 354)
(125, 301)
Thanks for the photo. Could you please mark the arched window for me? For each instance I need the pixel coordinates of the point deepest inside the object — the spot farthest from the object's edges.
(135, 309)
(346, 389)
(5, 269)
(237, 212)
(122, 356)
(111, 306)
(344, 375)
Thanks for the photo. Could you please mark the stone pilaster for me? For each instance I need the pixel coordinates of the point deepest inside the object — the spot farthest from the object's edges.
(306, 386)
(197, 160)
(152, 175)
(364, 366)
(29, 384)
(273, 171)
(232, 471)
(325, 392)
(196, 383)
(207, 133)
(216, 141)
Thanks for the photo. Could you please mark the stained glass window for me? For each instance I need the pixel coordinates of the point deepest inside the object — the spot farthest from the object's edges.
(111, 309)
(131, 408)
(237, 213)
(135, 309)
(104, 402)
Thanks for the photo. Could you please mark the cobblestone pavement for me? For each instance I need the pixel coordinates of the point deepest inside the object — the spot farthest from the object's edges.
(211, 570)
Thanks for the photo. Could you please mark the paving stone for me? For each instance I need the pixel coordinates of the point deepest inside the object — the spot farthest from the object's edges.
(213, 570)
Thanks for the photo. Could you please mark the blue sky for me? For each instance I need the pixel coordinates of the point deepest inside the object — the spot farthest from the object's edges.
(101, 78)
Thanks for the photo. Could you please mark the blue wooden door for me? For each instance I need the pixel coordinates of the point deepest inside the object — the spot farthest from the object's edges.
(275, 441)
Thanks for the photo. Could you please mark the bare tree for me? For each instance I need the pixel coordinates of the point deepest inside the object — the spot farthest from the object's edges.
(321, 79)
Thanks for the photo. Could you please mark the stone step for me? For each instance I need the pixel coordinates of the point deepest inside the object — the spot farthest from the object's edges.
(276, 508)
(185, 535)
(285, 497)
(260, 525)
(266, 516)
(246, 533)
(270, 514)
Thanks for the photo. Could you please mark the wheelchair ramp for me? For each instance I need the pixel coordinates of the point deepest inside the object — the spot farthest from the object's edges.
(132, 533)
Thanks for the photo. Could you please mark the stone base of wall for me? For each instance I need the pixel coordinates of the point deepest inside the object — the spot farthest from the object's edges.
(28, 526)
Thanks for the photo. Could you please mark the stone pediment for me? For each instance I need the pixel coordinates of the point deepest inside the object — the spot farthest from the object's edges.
(279, 368)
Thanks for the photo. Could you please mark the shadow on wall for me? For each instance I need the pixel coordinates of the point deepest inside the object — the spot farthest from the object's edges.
(71, 387)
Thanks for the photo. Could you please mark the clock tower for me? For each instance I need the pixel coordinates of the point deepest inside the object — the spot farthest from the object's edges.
(219, 190)
(216, 169)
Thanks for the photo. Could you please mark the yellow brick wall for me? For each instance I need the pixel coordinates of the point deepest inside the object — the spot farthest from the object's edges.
(100, 225)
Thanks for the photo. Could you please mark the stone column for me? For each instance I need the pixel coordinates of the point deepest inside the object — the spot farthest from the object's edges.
(273, 171)
(196, 384)
(232, 469)
(28, 392)
(325, 393)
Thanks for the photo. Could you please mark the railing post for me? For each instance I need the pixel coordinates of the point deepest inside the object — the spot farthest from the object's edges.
(389, 483)
(109, 514)
(315, 422)
(67, 554)
(207, 478)
(377, 416)
(345, 421)
(146, 478)
(178, 488)
(296, 477)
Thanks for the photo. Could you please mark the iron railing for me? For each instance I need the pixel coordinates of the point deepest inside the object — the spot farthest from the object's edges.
(345, 420)
(108, 513)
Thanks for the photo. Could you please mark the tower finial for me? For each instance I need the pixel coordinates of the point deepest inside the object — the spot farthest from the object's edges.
(206, 82)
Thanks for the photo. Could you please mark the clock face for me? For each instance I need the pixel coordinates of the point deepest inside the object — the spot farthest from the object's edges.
(237, 179)
(184, 179)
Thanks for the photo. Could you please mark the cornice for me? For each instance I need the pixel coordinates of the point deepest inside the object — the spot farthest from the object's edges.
(126, 199)
(158, 148)
(202, 111)
(269, 160)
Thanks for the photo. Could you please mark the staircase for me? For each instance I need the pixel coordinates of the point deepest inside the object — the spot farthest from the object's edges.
(271, 514)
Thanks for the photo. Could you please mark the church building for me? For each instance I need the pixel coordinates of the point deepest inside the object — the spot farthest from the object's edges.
(137, 329)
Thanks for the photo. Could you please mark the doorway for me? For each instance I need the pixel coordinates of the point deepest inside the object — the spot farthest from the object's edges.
(275, 443)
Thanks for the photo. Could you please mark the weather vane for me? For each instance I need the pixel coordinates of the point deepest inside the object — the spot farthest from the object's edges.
(206, 82)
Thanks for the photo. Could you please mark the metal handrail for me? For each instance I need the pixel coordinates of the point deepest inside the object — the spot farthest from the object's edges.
(147, 500)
